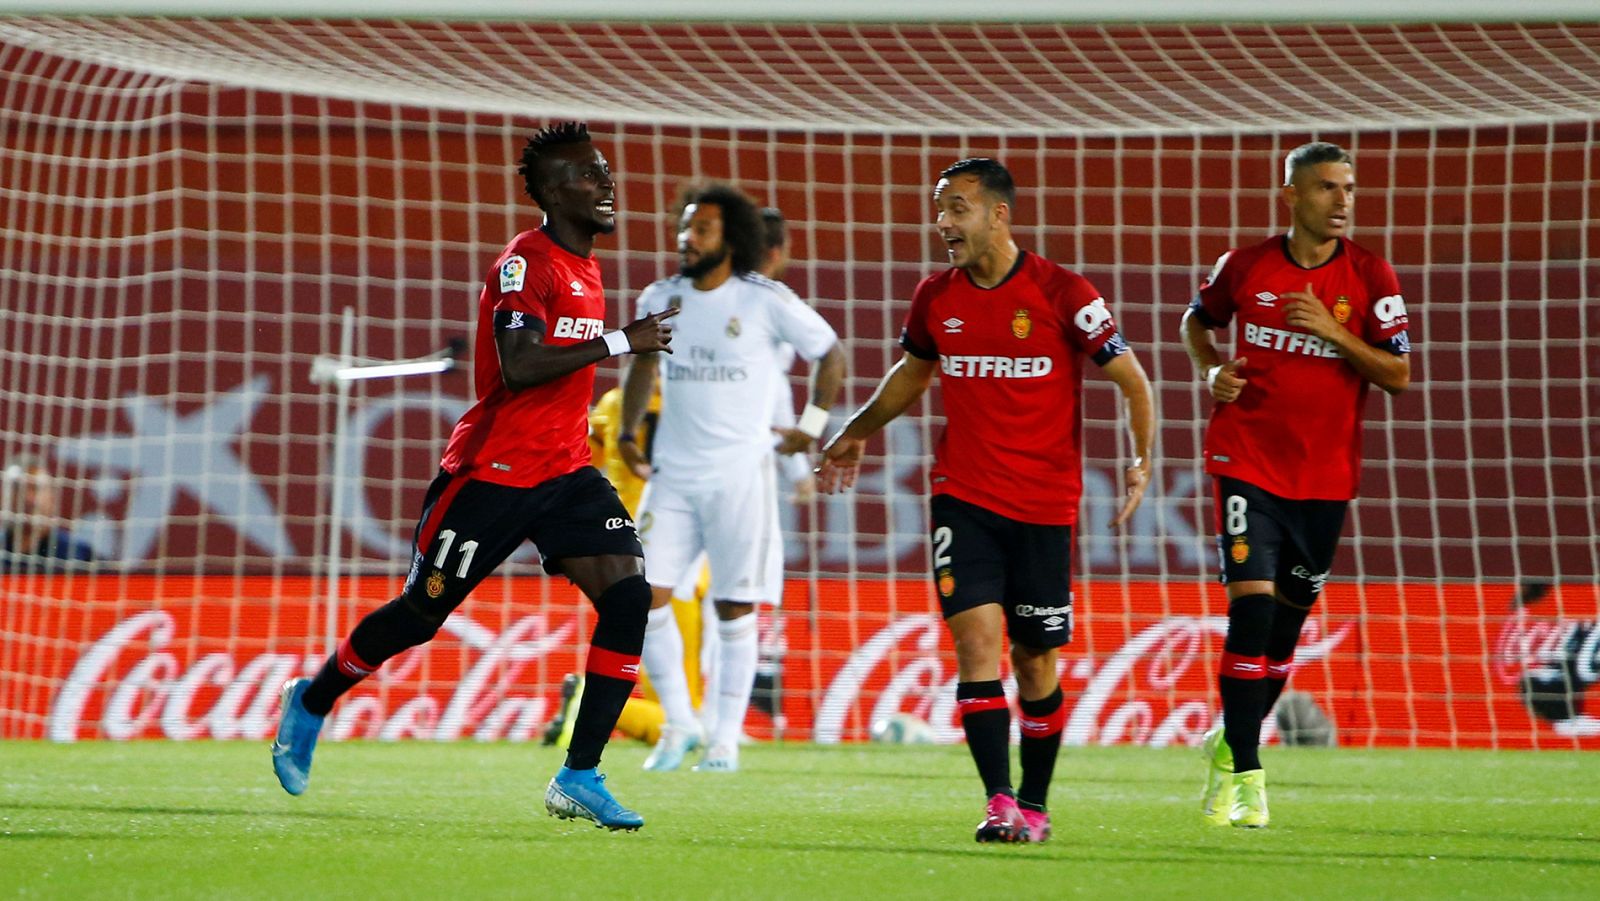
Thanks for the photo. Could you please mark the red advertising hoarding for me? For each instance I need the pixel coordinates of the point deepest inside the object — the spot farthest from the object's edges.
(203, 657)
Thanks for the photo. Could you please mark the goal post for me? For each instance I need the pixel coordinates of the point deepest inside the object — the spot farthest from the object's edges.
(190, 204)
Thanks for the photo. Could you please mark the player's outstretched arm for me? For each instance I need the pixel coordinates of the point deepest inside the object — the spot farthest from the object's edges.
(1140, 407)
(638, 383)
(1389, 371)
(827, 379)
(906, 381)
(1222, 378)
(526, 361)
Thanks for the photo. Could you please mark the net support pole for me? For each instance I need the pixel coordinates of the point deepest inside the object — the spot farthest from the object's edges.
(341, 438)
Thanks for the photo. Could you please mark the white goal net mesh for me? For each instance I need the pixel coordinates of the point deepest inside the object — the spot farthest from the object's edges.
(188, 206)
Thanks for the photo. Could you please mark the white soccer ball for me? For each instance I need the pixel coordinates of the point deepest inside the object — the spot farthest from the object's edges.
(902, 729)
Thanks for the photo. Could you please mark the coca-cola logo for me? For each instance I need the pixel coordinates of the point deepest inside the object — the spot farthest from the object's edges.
(142, 684)
(1526, 643)
(1152, 690)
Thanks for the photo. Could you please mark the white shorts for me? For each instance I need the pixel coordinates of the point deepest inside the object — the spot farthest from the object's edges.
(734, 521)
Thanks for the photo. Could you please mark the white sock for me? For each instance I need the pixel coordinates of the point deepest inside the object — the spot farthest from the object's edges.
(710, 650)
(736, 677)
(663, 660)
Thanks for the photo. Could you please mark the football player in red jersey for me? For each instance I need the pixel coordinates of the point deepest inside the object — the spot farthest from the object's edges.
(1007, 330)
(517, 469)
(1318, 319)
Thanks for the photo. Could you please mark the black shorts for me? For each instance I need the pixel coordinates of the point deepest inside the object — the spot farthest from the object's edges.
(470, 527)
(1263, 537)
(981, 557)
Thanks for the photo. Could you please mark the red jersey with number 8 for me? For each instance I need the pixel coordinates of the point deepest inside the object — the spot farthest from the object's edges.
(530, 436)
(1010, 363)
(1295, 429)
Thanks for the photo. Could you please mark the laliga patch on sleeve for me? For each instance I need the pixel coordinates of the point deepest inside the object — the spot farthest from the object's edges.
(512, 273)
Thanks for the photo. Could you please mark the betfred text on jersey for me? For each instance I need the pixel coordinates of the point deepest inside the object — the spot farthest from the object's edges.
(1288, 341)
(990, 367)
(578, 329)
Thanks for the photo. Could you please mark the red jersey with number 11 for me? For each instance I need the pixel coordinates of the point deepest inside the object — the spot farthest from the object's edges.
(1295, 430)
(1011, 374)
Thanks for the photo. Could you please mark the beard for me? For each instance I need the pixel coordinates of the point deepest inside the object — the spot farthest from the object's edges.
(706, 263)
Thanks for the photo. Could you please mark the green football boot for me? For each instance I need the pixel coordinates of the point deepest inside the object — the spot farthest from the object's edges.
(1217, 802)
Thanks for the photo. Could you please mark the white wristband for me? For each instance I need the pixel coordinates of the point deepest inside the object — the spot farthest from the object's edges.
(1211, 375)
(617, 343)
(813, 421)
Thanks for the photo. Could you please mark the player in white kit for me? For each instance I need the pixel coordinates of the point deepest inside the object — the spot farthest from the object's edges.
(712, 477)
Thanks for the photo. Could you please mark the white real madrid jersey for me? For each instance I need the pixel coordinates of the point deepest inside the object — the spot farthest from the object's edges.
(718, 384)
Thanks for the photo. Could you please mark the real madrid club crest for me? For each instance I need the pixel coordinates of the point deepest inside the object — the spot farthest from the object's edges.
(1341, 309)
(947, 582)
(435, 584)
(675, 302)
(1241, 549)
(733, 327)
(1021, 325)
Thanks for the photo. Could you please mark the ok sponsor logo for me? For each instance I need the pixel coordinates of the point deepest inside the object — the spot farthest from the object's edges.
(1093, 318)
(1390, 310)
(578, 328)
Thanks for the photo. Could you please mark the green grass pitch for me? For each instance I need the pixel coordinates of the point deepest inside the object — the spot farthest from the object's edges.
(416, 819)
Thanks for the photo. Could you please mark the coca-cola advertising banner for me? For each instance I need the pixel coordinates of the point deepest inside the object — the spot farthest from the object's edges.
(203, 657)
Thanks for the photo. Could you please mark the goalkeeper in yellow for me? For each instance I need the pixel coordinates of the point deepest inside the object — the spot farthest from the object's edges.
(642, 717)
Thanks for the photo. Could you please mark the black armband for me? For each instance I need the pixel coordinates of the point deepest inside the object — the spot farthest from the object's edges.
(1199, 310)
(912, 348)
(511, 320)
(1114, 347)
(1398, 345)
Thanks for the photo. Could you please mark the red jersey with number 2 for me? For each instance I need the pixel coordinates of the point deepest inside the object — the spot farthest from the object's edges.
(530, 436)
(1295, 429)
(1011, 375)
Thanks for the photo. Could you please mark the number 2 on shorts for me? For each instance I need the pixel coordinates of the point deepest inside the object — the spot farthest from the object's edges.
(942, 537)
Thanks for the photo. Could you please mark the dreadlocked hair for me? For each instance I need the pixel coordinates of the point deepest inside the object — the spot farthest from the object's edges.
(558, 135)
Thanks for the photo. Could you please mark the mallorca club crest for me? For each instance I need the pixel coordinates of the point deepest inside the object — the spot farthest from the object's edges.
(1021, 325)
(733, 328)
(1241, 549)
(435, 584)
(1341, 309)
(947, 582)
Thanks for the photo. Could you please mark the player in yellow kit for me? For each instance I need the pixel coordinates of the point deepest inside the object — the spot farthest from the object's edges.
(642, 717)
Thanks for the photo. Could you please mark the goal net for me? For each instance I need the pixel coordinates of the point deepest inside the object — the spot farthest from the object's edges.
(189, 207)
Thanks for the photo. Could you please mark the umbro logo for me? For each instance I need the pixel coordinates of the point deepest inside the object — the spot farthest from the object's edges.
(952, 326)
(577, 288)
(1266, 298)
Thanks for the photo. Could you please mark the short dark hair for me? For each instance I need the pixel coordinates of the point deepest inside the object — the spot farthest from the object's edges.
(742, 228)
(1310, 155)
(534, 174)
(775, 232)
(992, 177)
